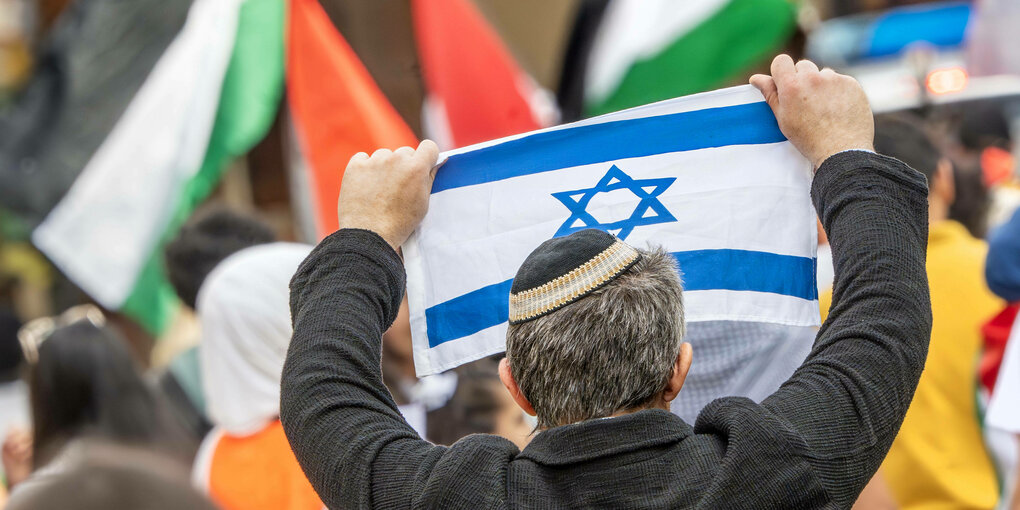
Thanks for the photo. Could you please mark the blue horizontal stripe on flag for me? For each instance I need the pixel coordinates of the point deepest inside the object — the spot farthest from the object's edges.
(744, 124)
(739, 270)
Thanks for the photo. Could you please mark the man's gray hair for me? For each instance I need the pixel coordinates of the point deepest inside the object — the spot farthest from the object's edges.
(611, 351)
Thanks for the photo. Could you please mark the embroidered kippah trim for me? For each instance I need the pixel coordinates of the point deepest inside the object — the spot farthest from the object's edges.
(600, 269)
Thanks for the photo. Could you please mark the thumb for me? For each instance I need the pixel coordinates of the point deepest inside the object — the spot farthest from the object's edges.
(767, 86)
(427, 153)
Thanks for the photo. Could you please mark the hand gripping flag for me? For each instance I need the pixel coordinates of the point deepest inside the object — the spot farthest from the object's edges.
(709, 177)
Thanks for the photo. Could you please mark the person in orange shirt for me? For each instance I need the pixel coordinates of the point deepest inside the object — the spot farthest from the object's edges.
(246, 463)
(938, 460)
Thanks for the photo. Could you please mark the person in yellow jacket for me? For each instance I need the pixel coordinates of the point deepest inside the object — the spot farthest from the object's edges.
(938, 460)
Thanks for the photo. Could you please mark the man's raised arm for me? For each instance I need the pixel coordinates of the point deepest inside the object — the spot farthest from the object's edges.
(845, 404)
(340, 420)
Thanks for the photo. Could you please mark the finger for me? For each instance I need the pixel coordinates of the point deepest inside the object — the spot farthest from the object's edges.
(806, 66)
(828, 71)
(404, 152)
(381, 153)
(767, 86)
(783, 70)
(359, 157)
(427, 153)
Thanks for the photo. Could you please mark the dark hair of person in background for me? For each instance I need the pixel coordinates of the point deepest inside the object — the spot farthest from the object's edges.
(903, 137)
(10, 350)
(204, 242)
(972, 201)
(113, 477)
(982, 124)
(85, 384)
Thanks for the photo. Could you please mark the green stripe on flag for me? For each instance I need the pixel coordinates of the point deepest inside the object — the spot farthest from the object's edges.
(736, 37)
(249, 100)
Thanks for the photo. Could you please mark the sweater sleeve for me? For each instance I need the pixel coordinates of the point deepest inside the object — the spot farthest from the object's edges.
(340, 419)
(843, 407)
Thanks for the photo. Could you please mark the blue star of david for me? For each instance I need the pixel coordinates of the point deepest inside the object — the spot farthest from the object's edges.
(648, 211)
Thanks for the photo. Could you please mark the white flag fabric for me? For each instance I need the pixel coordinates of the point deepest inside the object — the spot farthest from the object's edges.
(709, 177)
(1003, 411)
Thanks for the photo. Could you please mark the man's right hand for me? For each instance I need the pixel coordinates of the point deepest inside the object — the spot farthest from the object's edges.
(820, 112)
(388, 192)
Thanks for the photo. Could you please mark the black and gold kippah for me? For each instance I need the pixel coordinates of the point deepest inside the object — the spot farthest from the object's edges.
(565, 269)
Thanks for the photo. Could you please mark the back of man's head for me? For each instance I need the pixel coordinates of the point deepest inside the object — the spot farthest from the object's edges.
(204, 242)
(903, 137)
(595, 327)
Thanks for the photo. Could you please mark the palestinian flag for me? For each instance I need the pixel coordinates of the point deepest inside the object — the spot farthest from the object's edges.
(650, 50)
(208, 98)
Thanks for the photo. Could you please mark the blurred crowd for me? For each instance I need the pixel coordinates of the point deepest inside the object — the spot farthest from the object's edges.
(98, 411)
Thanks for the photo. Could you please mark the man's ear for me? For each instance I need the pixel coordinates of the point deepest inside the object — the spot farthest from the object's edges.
(510, 383)
(679, 374)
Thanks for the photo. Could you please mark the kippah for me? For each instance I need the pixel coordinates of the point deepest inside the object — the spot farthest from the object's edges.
(565, 269)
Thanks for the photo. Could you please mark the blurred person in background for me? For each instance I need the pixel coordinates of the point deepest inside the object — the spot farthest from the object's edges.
(13, 392)
(245, 463)
(199, 246)
(14, 414)
(938, 459)
(1002, 266)
(83, 384)
(480, 405)
(986, 189)
(112, 477)
(205, 241)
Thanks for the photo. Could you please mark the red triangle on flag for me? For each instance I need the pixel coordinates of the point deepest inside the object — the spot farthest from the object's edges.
(475, 89)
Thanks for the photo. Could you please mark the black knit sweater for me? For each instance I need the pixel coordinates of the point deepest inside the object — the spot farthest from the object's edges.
(815, 443)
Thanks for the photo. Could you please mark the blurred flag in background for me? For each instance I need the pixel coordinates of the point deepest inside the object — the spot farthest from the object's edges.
(650, 50)
(87, 70)
(336, 108)
(475, 91)
(209, 97)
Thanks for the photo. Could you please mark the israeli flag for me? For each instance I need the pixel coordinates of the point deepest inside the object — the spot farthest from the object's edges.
(709, 177)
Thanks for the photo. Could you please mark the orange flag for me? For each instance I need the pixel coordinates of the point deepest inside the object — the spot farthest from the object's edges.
(336, 107)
